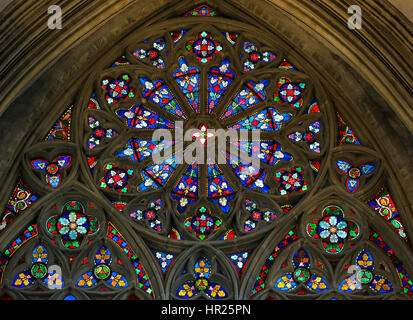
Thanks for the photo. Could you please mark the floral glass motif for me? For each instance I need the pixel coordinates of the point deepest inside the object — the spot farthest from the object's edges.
(156, 175)
(164, 259)
(117, 89)
(138, 150)
(202, 282)
(290, 92)
(203, 224)
(250, 94)
(250, 176)
(266, 120)
(150, 215)
(153, 54)
(187, 78)
(72, 225)
(301, 275)
(219, 190)
(239, 260)
(257, 215)
(38, 271)
(365, 276)
(202, 134)
(139, 117)
(203, 72)
(116, 178)
(102, 272)
(333, 229)
(186, 190)
(354, 173)
(385, 207)
(309, 136)
(158, 93)
(291, 181)
(219, 79)
(99, 133)
(268, 152)
(254, 56)
(204, 47)
(53, 177)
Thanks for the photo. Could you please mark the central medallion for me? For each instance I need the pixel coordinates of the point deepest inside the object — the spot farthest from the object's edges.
(202, 134)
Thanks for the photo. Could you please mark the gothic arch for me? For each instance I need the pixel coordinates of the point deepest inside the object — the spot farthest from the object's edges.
(353, 99)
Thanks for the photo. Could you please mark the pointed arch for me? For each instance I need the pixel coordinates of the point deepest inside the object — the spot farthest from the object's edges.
(322, 119)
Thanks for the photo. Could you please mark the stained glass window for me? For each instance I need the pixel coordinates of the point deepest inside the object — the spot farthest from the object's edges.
(203, 133)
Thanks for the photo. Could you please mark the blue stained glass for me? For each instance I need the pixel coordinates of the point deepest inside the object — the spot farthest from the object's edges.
(157, 92)
(354, 173)
(344, 166)
(309, 136)
(153, 53)
(381, 284)
(23, 279)
(103, 255)
(187, 78)
(301, 259)
(250, 94)
(365, 260)
(219, 79)
(267, 120)
(254, 56)
(349, 284)
(54, 282)
(366, 168)
(268, 152)
(285, 283)
(86, 280)
(249, 175)
(219, 190)
(186, 291)
(115, 278)
(239, 259)
(39, 254)
(186, 190)
(317, 283)
(164, 259)
(142, 118)
(138, 150)
(216, 291)
(202, 268)
(156, 175)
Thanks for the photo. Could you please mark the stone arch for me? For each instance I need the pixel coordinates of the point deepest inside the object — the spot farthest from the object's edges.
(360, 76)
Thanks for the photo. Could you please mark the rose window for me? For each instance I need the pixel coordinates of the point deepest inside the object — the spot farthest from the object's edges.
(190, 141)
(206, 159)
